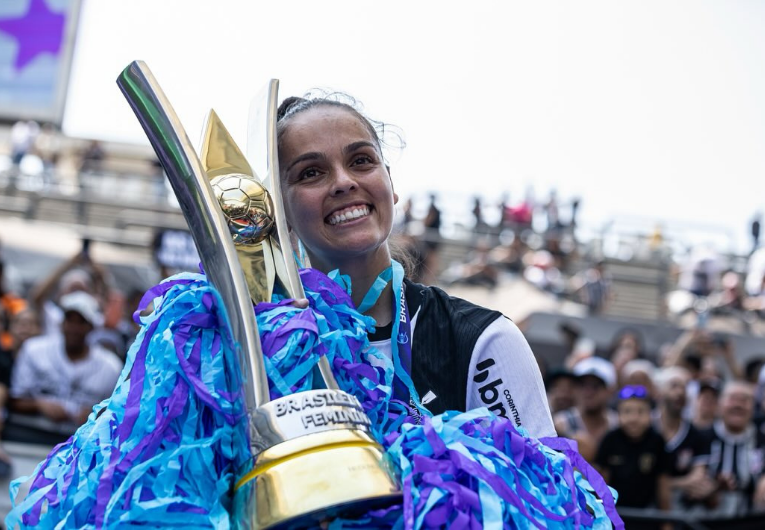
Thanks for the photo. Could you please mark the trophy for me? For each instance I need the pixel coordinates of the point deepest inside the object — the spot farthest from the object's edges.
(313, 455)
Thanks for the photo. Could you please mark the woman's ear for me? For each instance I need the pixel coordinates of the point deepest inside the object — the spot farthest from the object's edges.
(395, 195)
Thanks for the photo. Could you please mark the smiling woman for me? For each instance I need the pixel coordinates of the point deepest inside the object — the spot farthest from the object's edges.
(449, 354)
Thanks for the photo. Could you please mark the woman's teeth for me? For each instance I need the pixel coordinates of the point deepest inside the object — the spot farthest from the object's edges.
(349, 215)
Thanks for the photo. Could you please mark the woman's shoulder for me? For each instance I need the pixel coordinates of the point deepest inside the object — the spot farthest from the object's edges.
(435, 300)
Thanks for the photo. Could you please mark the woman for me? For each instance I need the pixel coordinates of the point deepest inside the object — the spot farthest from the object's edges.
(339, 201)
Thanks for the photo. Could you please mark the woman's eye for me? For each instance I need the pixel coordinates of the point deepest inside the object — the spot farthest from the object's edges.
(309, 174)
(362, 159)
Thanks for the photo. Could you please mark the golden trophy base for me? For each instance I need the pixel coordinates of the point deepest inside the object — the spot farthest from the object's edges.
(303, 481)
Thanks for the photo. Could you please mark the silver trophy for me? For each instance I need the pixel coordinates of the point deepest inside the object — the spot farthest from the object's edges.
(313, 455)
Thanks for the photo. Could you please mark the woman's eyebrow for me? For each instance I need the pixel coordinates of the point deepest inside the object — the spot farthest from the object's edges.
(357, 145)
(304, 157)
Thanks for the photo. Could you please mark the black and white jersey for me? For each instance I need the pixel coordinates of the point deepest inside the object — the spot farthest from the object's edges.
(689, 447)
(465, 356)
(740, 455)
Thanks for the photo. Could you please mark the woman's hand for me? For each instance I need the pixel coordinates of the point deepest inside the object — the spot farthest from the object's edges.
(300, 303)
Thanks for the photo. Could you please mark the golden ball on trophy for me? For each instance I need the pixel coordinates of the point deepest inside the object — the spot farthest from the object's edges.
(247, 206)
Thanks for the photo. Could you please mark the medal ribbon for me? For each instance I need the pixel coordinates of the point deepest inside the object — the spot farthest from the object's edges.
(401, 334)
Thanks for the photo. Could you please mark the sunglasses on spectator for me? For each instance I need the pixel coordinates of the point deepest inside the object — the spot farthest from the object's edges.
(633, 391)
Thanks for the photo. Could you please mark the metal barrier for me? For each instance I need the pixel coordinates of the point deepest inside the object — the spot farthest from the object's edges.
(638, 519)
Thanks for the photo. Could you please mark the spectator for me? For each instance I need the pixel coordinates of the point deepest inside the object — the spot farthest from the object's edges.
(593, 287)
(432, 221)
(639, 372)
(755, 283)
(755, 273)
(10, 305)
(707, 403)
(570, 333)
(687, 446)
(574, 211)
(591, 418)
(510, 257)
(753, 368)
(759, 393)
(47, 147)
(551, 211)
(504, 212)
(408, 216)
(561, 386)
(632, 457)
(24, 325)
(755, 231)
(23, 134)
(737, 451)
(700, 275)
(540, 271)
(522, 215)
(61, 377)
(626, 346)
(480, 224)
(701, 352)
(79, 273)
(93, 157)
(729, 299)
(477, 270)
(432, 225)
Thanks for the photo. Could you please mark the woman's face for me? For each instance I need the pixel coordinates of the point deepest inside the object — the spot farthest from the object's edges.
(337, 191)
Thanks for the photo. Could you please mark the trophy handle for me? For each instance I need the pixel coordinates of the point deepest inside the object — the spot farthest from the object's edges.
(262, 147)
(261, 134)
(206, 222)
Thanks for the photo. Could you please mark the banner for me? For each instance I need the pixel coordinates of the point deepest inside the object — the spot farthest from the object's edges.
(36, 44)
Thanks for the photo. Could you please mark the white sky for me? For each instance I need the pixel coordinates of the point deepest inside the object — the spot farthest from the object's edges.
(649, 110)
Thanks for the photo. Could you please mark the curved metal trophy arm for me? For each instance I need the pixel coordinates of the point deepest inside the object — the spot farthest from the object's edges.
(262, 147)
(206, 222)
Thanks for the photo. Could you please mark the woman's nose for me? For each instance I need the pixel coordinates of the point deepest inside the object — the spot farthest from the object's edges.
(344, 182)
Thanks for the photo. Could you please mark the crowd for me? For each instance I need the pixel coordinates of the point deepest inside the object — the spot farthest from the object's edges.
(681, 428)
(512, 244)
(39, 157)
(62, 349)
(531, 240)
(684, 430)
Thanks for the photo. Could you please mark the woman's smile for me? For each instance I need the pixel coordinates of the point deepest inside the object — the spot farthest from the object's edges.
(348, 214)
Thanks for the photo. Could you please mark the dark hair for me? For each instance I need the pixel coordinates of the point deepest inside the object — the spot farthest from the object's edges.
(406, 253)
(752, 368)
(385, 135)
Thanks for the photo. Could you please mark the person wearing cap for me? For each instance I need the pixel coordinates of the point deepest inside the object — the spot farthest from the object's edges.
(591, 418)
(79, 273)
(632, 458)
(58, 378)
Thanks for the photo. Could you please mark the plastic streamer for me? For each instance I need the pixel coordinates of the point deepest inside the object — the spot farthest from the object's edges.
(166, 448)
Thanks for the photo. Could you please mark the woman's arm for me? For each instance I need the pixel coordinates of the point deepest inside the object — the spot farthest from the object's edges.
(504, 377)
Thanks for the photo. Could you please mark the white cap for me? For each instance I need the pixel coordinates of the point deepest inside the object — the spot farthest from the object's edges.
(85, 305)
(597, 366)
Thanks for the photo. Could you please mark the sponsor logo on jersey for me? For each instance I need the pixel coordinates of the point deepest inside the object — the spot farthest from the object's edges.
(427, 398)
(492, 393)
